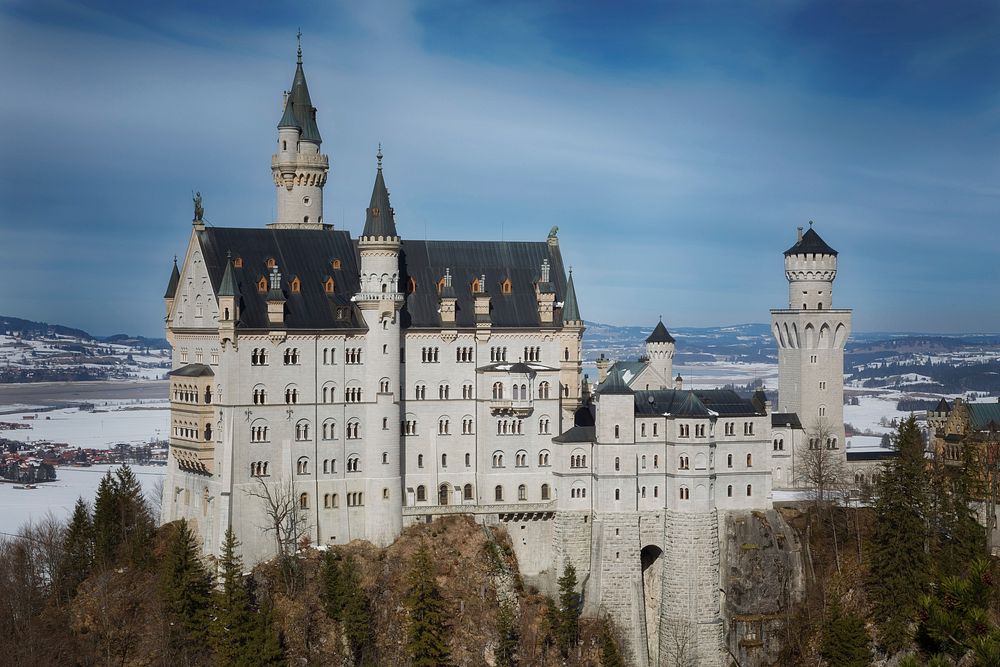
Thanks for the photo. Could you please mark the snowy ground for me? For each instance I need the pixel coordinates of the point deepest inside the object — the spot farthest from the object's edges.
(112, 422)
(712, 374)
(18, 506)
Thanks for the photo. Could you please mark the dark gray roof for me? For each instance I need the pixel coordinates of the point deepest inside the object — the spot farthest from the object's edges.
(570, 309)
(783, 419)
(309, 253)
(228, 286)
(175, 277)
(426, 261)
(693, 403)
(660, 334)
(809, 244)
(521, 369)
(379, 217)
(614, 384)
(627, 369)
(300, 105)
(192, 371)
(873, 455)
(578, 434)
(942, 406)
(306, 253)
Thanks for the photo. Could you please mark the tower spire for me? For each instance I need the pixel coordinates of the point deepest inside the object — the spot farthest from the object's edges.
(570, 311)
(380, 218)
(298, 39)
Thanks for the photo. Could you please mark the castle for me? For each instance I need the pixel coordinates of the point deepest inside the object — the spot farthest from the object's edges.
(384, 381)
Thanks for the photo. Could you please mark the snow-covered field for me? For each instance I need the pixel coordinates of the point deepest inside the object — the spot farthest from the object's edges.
(712, 374)
(18, 506)
(111, 422)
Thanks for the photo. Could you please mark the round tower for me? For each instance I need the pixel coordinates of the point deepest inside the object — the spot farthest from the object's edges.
(660, 352)
(299, 169)
(810, 267)
(379, 300)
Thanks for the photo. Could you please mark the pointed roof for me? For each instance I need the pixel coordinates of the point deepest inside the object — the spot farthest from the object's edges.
(379, 219)
(809, 244)
(175, 277)
(660, 334)
(228, 286)
(570, 310)
(299, 111)
(942, 406)
(614, 384)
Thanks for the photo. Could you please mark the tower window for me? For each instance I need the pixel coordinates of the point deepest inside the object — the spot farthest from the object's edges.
(270, 263)
(262, 285)
(506, 287)
(336, 264)
(296, 283)
(237, 262)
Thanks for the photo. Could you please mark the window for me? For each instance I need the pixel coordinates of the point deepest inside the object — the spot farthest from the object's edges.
(618, 494)
(353, 430)
(291, 395)
(329, 285)
(429, 355)
(822, 384)
(353, 464)
(642, 429)
(258, 469)
(304, 501)
(729, 491)
(522, 492)
(813, 359)
(352, 355)
(578, 460)
(385, 458)
(296, 285)
(685, 431)
(291, 356)
(683, 463)
(302, 430)
(329, 428)
(443, 426)
(259, 395)
(543, 457)
(468, 460)
(467, 492)
(420, 460)
(642, 492)
(443, 493)
(498, 459)
(443, 391)
(506, 287)
(822, 411)
(444, 460)
(259, 431)
(497, 391)
(618, 463)
(779, 444)
(617, 431)
(685, 493)
(464, 355)
(467, 391)
(747, 428)
(643, 461)
(420, 392)
(749, 490)
(543, 390)
(749, 460)
(355, 499)
(383, 386)
(352, 395)
(258, 357)
(521, 459)
(498, 493)
(729, 460)
(655, 429)
(408, 427)
(545, 492)
(699, 431)
(467, 426)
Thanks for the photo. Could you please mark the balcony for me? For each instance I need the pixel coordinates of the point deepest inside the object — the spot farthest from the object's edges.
(511, 408)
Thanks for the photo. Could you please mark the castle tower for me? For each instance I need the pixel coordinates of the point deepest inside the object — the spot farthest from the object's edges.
(660, 351)
(811, 335)
(299, 169)
(380, 299)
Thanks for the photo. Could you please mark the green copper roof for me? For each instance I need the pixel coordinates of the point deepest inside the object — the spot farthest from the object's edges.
(288, 118)
(228, 286)
(570, 310)
(984, 416)
(175, 277)
(379, 219)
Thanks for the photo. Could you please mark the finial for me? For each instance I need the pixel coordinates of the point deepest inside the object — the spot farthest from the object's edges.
(810, 224)
(175, 260)
(378, 156)
(571, 269)
(229, 255)
(661, 318)
(298, 39)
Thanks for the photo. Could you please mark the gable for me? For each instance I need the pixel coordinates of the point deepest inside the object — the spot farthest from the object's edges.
(195, 304)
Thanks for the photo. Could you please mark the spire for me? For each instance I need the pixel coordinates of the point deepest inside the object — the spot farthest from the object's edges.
(660, 334)
(228, 286)
(810, 243)
(379, 220)
(299, 105)
(570, 310)
(175, 278)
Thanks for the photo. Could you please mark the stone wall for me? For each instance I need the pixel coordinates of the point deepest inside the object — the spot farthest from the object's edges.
(691, 629)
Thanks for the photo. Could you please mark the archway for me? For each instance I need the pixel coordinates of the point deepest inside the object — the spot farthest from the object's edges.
(652, 583)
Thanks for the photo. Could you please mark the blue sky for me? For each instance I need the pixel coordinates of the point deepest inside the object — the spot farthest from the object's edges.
(676, 145)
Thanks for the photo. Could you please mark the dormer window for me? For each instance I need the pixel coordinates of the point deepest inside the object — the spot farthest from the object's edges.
(270, 263)
(237, 262)
(411, 285)
(475, 286)
(335, 264)
(296, 285)
(506, 287)
(328, 286)
(440, 285)
(262, 284)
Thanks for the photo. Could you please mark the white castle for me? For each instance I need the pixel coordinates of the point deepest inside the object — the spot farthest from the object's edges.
(389, 381)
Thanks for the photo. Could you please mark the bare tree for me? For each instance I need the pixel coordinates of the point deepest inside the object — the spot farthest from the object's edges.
(823, 469)
(678, 643)
(286, 521)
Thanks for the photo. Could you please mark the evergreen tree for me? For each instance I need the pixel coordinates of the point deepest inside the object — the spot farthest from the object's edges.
(186, 590)
(234, 624)
(106, 534)
(77, 559)
(611, 655)
(330, 588)
(957, 619)
(267, 646)
(845, 640)
(567, 628)
(899, 563)
(135, 524)
(355, 616)
(508, 637)
(426, 641)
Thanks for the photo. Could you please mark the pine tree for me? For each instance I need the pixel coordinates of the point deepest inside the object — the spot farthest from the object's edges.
(135, 524)
(355, 616)
(899, 563)
(186, 590)
(330, 589)
(845, 639)
(568, 616)
(611, 655)
(234, 624)
(77, 560)
(267, 646)
(507, 637)
(106, 534)
(426, 641)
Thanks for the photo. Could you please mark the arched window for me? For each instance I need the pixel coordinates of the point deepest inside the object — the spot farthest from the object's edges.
(420, 460)
(749, 460)
(749, 490)
(522, 492)
(729, 491)
(421, 493)
(444, 460)
(497, 459)
(617, 430)
(618, 463)
(545, 492)
(304, 501)
(443, 493)
(543, 457)
(618, 494)
(498, 493)
(467, 492)
(385, 457)
(729, 460)
(468, 459)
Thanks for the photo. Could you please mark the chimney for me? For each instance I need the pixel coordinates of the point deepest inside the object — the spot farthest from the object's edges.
(678, 382)
(800, 233)
(602, 368)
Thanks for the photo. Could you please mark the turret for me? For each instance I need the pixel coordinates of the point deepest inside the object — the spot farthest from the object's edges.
(571, 359)
(229, 303)
(660, 352)
(810, 267)
(168, 296)
(299, 169)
